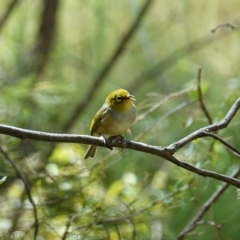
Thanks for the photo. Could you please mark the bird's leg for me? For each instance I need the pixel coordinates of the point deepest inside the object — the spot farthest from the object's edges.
(116, 138)
(123, 142)
(107, 142)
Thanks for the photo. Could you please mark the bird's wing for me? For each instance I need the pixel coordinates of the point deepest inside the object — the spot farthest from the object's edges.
(100, 115)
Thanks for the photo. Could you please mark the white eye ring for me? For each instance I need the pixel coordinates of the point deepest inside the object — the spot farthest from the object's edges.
(119, 99)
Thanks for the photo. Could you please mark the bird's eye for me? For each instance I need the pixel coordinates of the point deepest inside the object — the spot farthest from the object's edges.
(119, 99)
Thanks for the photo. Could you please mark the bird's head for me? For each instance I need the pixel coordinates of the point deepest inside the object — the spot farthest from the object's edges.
(120, 100)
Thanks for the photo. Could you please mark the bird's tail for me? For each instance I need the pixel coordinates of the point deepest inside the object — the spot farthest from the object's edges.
(91, 151)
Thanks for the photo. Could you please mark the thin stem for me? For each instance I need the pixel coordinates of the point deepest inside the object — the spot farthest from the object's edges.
(27, 187)
(200, 98)
(217, 194)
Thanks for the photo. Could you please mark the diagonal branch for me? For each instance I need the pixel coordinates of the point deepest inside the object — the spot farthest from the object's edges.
(164, 100)
(202, 131)
(200, 97)
(194, 222)
(28, 191)
(237, 152)
(173, 110)
(68, 226)
(225, 25)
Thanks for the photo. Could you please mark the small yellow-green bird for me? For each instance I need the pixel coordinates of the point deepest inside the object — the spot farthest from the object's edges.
(116, 116)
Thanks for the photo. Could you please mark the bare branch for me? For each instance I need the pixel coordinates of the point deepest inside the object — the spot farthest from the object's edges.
(237, 153)
(49, 137)
(68, 225)
(28, 190)
(164, 152)
(225, 25)
(178, 107)
(200, 97)
(142, 147)
(17, 215)
(164, 100)
(195, 221)
(202, 131)
(199, 171)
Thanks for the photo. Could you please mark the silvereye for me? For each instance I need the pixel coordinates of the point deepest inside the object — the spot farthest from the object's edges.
(116, 115)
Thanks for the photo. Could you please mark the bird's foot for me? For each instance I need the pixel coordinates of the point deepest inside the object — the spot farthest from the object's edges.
(120, 138)
(107, 143)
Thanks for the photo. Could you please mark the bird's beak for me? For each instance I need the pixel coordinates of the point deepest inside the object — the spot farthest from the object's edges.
(131, 97)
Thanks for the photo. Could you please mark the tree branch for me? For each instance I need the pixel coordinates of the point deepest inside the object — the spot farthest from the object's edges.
(28, 190)
(194, 222)
(237, 153)
(164, 152)
(202, 131)
(225, 25)
(164, 100)
(200, 97)
(68, 226)
(85, 139)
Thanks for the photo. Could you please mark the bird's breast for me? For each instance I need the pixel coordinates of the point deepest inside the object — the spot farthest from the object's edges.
(115, 123)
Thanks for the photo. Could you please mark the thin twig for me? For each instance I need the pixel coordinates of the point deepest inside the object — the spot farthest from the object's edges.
(28, 190)
(194, 222)
(200, 98)
(125, 218)
(237, 152)
(167, 114)
(164, 100)
(211, 128)
(211, 223)
(225, 25)
(68, 225)
(17, 216)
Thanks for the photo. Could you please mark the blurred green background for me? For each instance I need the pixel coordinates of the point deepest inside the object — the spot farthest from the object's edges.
(52, 56)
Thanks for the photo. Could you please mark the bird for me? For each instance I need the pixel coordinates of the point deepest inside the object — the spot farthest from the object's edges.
(116, 116)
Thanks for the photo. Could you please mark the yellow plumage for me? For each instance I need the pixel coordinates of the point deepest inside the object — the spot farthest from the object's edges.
(116, 115)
